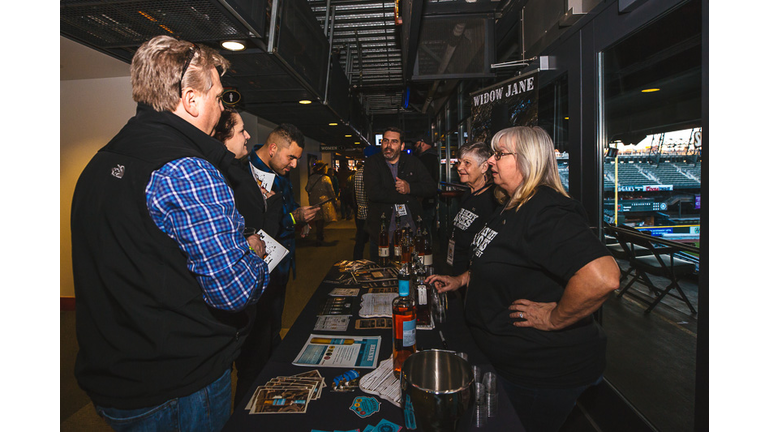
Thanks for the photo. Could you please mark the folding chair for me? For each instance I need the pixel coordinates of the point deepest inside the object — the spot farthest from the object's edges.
(660, 262)
(621, 250)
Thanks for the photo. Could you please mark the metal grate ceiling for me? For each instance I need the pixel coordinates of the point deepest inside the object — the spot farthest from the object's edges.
(365, 37)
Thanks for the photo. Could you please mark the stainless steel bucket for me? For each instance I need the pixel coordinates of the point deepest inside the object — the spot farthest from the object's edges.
(436, 389)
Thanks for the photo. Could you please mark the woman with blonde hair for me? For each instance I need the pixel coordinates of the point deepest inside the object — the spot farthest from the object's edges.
(537, 273)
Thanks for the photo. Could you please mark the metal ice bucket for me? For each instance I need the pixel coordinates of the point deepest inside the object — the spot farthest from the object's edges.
(436, 389)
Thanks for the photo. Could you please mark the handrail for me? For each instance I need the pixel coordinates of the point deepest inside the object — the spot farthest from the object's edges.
(654, 239)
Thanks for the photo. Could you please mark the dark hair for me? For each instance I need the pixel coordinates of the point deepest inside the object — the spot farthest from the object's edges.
(225, 129)
(394, 129)
(288, 133)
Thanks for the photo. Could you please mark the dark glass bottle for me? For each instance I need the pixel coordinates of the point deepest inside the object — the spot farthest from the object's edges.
(421, 292)
(396, 241)
(384, 242)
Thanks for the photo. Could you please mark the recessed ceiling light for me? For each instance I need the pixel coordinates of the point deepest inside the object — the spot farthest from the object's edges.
(305, 102)
(347, 136)
(650, 90)
(233, 45)
(357, 142)
(333, 124)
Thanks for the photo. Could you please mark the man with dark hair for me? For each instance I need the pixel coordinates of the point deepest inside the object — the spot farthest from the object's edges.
(427, 154)
(277, 157)
(394, 182)
(161, 266)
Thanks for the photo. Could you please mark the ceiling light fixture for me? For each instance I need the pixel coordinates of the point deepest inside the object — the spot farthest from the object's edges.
(233, 45)
(347, 136)
(333, 124)
(649, 90)
(305, 102)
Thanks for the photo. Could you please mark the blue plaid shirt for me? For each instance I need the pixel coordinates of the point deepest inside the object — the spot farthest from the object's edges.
(189, 200)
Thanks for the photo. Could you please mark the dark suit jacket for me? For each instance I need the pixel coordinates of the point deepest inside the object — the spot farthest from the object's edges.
(382, 195)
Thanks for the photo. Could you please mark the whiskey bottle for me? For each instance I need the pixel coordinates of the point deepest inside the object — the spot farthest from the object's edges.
(396, 241)
(403, 321)
(422, 293)
(384, 242)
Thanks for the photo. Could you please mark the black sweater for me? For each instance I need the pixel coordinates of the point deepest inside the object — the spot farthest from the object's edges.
(382, 195)
(145, 333)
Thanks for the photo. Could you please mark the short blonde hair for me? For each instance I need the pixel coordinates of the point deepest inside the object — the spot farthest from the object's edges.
(536, 161)
(156, 71)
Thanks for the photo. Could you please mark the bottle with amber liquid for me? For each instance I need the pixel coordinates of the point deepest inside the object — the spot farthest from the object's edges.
(426, 253)
(396, 242)
(403, 321)
(419, 240)
(384, 242)
(406, 246)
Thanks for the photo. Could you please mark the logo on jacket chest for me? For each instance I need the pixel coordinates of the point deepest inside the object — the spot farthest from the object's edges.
(118, 171)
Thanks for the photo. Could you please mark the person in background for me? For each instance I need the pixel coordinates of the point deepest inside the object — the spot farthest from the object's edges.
(347, 194)
(394, 183)
(161, 266)
(319, 189)
(261, 210)
(361, 236)
(331, 173)
(475, 206)
(427, 154)
(277, 157)
(536, 276)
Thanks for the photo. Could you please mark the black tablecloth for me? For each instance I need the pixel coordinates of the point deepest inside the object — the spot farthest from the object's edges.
(332, 410)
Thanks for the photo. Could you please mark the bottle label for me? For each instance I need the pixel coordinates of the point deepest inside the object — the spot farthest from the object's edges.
(422, 290)
(398, 251)
(383, 251)
(409, 333)
(427, 260)
(403, 287)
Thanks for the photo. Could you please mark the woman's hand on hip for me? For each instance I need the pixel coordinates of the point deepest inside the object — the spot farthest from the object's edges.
(532, 314)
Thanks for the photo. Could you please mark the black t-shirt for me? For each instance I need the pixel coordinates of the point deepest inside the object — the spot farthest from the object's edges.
(531, 254)
(474, 210)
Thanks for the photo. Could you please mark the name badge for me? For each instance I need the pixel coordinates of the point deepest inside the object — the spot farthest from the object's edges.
(401, 210)
(449, 254)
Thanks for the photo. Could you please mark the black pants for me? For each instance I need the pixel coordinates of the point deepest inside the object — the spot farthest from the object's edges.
(361, 238)
(261, 341)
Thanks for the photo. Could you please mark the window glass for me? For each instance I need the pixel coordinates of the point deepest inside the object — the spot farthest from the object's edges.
(651, 113)
(553, 117)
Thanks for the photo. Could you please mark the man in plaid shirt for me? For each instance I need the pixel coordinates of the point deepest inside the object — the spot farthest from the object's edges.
(361, 237)
(162, 270)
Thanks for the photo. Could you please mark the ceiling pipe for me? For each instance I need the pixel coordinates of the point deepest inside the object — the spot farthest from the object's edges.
(453, 42)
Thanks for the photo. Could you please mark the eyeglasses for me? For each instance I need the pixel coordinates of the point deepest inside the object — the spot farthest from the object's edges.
(500, 154)
(187, 62)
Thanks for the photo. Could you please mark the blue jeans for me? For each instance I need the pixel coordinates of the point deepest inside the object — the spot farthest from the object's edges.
(542, 409)
(205, 410)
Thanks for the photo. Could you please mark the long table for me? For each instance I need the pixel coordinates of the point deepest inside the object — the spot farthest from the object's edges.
(331, 412)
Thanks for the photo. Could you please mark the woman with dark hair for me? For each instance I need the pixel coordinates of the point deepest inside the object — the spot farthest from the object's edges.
(260, 209)
(537, 273)
(476, 204)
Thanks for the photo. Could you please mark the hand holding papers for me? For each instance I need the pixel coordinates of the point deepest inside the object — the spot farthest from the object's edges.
(275, 252)
(263, 178)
